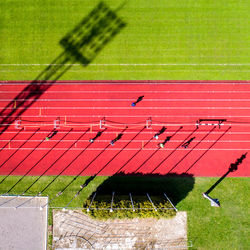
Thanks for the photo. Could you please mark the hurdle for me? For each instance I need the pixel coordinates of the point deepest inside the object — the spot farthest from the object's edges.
(18, 123)
(210, 122)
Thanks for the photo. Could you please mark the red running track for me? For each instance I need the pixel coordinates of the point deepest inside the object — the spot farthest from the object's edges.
(81, 107)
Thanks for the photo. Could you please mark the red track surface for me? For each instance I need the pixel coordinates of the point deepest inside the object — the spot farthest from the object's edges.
(82, 106)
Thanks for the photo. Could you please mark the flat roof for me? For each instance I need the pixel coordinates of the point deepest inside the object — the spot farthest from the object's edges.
(24, 227)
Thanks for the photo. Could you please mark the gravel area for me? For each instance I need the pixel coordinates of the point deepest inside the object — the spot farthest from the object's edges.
(74, 230)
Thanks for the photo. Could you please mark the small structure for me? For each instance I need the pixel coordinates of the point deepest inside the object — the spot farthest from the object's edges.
(23, 227)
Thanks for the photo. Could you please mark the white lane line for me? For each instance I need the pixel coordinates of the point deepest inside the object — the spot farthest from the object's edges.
(129, 149)
(138, 108)
(128, 132)
(129, 64)
(121, 126)
(128, 108)
(116, 83)
(134, 141)
(136, 116)
(127, 91)
(127, 100)
(89, 70)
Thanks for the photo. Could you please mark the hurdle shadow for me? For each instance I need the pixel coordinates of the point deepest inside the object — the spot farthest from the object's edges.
(10, 140)
(155, 152)
(81, 45)
(191, 150)
(175, 186)
(202, 155)
(19, 148)
(91, 178)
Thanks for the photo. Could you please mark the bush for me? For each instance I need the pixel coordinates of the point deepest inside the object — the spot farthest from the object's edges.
(122, 208)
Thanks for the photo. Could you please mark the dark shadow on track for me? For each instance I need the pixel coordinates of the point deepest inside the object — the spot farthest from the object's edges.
(208, 149)
(173, 151)
(166, 140)
(18, 132)
(98, 172)
(12, 171)
(19, 148)
(233, 167)
(69, 164)
(203, 138)
(81, 45)
(38, 161)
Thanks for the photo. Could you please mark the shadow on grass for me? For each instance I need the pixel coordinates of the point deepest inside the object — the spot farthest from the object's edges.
(81, 45)
(175, 186)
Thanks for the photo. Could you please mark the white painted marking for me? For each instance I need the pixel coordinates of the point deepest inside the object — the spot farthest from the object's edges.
(129, 149)
(130, 64)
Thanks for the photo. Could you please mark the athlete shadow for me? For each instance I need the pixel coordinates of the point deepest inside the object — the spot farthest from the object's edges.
(81, 45)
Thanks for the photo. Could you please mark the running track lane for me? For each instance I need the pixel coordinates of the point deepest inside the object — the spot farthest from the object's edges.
(175, 105)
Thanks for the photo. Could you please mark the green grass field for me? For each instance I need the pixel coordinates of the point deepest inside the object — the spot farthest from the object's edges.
(208, 227)
(164, 39)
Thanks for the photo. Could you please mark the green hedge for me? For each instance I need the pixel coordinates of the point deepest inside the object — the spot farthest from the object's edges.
(143, 209)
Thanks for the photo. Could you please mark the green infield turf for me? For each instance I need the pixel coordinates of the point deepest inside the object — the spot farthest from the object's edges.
(163, 39)
(218, 228)
(208, 227)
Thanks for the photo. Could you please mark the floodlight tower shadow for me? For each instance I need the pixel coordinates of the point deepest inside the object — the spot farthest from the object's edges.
(81, 45)
(233, 167)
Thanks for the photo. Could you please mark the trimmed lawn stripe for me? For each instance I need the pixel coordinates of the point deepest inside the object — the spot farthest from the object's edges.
(157, 32)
